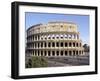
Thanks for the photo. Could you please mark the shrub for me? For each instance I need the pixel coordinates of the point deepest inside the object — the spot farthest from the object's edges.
(36, 62)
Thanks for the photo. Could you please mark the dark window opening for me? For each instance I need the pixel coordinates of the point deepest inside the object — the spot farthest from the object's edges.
(41, 53)
(49, 44)
(35, 52)
(61, 44)
(57, 52)
(70, 44)
(79, 52)
(57, 37)
(61, 37)
(61, 53)
(74, 53)
(70, 53)
(45, 38)
(77, 44)
(53, 44)
(57, 44)
(48, 53)
(53, 37)
(66, 44)
(53, 53)
(65, 52)
(73, 44)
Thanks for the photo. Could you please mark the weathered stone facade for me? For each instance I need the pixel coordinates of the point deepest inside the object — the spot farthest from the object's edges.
(54, 39)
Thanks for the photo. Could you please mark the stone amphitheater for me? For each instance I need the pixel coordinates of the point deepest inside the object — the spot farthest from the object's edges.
(54, 39)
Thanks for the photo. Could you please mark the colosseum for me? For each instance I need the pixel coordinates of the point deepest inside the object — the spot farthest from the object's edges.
(57, 38)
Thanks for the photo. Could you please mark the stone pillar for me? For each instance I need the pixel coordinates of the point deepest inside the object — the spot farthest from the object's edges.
(63, 52)
(64, 44)
(47, 53)
(71, 36)
(72, 44)
(67, 44)
(50, 53)
(40, 53)
(43, 44)
(67, 36)
(43, 52)
(55, 53)
(78, 52)
(47, 36)
(35, 37)
(71, 52)
(36, 45)
(39, 45)
(36, 53)
(47, 45)
(59, 52)
(67, 52)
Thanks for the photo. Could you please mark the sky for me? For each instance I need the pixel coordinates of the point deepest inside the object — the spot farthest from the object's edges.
(82, 21)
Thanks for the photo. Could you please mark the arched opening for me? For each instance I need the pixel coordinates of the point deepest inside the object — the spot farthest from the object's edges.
(65, 53)
(41, 53)
(41, 44)
(79, 52)
(48, 53)
(70, 53)
(57, 52)
(73, 44)
(49, 44)
(70, 44)
(53, 53)
(61, 53)
(35, 52)
(61, 44)
(66, 44)
(76, 52)
(76, 44)
(73, 53)
(53, 44)
(57, 44)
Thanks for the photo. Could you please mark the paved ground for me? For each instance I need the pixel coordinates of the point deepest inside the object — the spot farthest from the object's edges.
(67, 61)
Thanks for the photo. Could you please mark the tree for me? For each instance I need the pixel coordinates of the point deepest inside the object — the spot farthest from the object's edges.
(37, 62)
(86, 47)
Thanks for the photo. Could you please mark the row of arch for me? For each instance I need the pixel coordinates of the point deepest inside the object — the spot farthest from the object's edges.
(53, 36)
(55, 53)
(53, 44)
